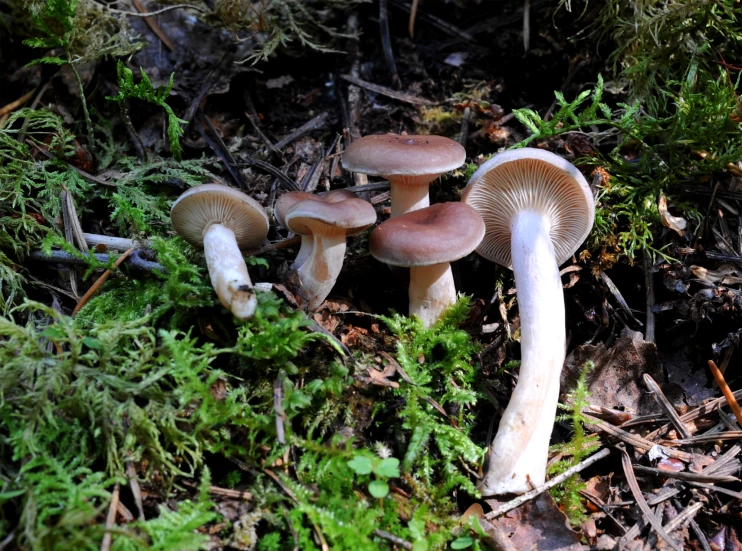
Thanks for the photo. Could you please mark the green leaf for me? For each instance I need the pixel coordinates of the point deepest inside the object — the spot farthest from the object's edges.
(388, 468)
(462, 543)
(360, 464)
(378, 488)
(90, 342)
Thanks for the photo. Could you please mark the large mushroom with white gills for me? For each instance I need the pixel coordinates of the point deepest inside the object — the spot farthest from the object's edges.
(223, 219)
(427, 241)
(538, 209)
(409, 162)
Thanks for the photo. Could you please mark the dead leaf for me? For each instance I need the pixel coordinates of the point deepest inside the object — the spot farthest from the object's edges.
(615, 380)
(714, 276)
(538, 524)
(675, 223)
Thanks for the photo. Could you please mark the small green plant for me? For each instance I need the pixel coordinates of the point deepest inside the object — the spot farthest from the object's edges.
(382, 468)
(146, 92)
(567, 494)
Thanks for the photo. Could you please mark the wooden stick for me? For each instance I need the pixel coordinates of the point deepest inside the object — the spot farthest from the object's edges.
(111, 518)
(154, 26)
(13, 105)
(99, 283)
(726, 391)
(520, 500)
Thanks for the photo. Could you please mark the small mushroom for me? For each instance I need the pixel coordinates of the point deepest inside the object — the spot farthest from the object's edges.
(328, 220)
(223, 219)
(288, 200)
(427, 241)
(410, 163)
(538, 209)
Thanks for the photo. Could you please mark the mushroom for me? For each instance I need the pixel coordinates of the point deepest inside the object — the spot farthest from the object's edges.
(538, 209)
(409, 162)
(288, 200)
(427, 241)
(222, 219)
(328, 220)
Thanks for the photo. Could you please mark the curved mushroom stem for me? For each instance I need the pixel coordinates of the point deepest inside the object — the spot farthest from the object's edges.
(431, 291)
(410, 192)
(305, 250)
(228, 271)
(321, 269)
(519, 452)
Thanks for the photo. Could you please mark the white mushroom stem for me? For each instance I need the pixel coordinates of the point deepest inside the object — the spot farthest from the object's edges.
(321, 269)
(305, 250)
(410, 193)
(519, 452)
(228, 271)
(431, 291)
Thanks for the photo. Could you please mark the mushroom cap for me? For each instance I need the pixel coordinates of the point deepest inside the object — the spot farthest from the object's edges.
(395, 155)
(531, 179)
(207, 204)
(330, 212)
(288, 200)
(441, 233)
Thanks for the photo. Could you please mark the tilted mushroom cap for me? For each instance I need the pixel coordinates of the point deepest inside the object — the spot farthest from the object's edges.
(288, 200)
(442, 233)
(536, 180)
(207, 204)
(327, 213)
(392, 154)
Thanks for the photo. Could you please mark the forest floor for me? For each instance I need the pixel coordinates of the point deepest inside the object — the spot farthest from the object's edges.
(137, 414)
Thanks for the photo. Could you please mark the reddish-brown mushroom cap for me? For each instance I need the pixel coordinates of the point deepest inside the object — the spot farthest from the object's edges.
(438, 234)
(536, 180)
(288, 200)
(392, 154)
(207, 204)
(326, 214)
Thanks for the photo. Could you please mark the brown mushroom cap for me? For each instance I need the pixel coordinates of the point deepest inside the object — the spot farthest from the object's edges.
(392, 154)
(441, 233)
(531, 179)
(207, 204)
(330, 213)
(288, 200)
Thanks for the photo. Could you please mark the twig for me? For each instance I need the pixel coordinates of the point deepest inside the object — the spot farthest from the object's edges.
(384, 91)
(152, 25)
(396, 540)
(696, 529)
(232, 494)
(111, 518)
(682, 517)
(81, 172)
(386, 42)
(441, 24)
(158, 12)
(666, 406)
(520, 500)
(61, 257)
(313, 124)
(288, 183)
(278, 408)
(375, 186)
(619, 297)
(99, 283)
(413, 13)
(275, 246)
(212, 137)
(715, 437)
(266, 139)
(113, 242)
(13, 105)
(8, 539)
(641, 502)
(726, 391)
(688, 477)
(649, 290)
(131, 474)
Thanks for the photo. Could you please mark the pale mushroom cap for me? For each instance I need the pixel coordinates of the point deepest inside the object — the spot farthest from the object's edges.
(536, 180)
(328, 213)
(288, 200)
(394, 155)
(441, 233)
(207, 204)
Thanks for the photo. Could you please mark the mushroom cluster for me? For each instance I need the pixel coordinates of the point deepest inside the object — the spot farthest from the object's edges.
(528, 210)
